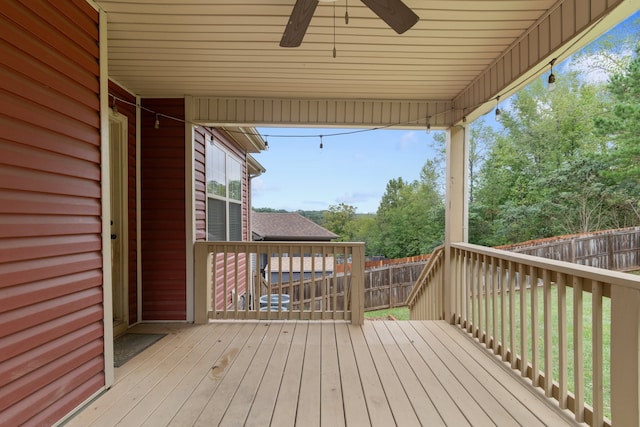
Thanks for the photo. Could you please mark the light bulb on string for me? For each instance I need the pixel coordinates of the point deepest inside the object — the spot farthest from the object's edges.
(552, 77)
(498, 112)
(157, 123)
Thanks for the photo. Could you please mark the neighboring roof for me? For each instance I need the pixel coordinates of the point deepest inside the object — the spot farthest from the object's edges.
(287, 227)
(317, 264)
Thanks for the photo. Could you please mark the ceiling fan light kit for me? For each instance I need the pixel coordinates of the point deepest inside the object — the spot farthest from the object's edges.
(395, 13)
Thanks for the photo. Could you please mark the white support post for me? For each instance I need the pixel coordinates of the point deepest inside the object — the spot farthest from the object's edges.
(456, 209)
(202, 279)
(625, 356)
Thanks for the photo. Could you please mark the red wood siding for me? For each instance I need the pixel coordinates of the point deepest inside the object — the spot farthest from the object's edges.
(51, 330)
(201, 218)
(163, 199)
(129, 110)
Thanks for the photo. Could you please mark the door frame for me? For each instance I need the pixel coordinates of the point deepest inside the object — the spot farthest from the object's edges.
(118, 134)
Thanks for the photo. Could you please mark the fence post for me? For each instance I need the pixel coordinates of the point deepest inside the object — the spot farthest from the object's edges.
(202, 282)
(625, 356)
(357, 284)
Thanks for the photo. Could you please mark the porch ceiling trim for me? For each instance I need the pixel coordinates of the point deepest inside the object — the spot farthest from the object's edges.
(230, 111)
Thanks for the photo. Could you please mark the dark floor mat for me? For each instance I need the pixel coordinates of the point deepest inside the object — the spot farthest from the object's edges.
(128, 345)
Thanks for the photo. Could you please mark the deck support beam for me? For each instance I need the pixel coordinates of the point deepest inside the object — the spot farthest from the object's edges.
(456, 207)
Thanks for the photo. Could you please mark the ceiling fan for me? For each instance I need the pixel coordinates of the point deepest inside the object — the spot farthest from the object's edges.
(395, 13)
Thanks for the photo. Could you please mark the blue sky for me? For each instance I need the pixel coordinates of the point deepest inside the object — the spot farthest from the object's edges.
(352, 169)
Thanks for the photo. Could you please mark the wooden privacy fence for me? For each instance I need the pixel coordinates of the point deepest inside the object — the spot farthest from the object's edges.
(617, 249)
(390, 286)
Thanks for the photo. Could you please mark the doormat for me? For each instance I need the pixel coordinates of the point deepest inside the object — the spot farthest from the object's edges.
(128, 345)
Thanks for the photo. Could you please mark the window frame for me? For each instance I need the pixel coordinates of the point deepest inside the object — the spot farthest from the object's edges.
(229, 159)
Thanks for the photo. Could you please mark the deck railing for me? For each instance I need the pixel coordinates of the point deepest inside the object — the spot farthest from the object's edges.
(571, 330)
(426, 300)
(279, 280)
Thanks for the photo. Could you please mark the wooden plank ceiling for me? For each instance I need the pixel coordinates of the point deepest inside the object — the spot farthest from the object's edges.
(230, 48)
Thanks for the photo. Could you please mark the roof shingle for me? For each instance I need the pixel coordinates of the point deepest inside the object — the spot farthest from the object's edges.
(286, 227)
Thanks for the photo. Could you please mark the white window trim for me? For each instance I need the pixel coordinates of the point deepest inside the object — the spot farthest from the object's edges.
(229, 156)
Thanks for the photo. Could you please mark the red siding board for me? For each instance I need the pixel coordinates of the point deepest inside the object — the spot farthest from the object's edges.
(163, 196)
(51, 36)
(51, 310)
(24, 203)
(15, 368)
(58, 62)
(32, 293)
(25, 410)
(35, 337)
(21, 388)
(33, 136)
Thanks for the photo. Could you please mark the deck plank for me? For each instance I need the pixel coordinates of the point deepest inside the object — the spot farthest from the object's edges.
(308, 414)
(232, 377)
(178, 395)
(403, 412)
(239, 405)
(140, 375)
(490, 404)
(355, 405)
(310, 373)
(189, 412)
(331, 397)
(446, 406)
(417, 395)
(195, 353)
(542, 408)
(261, 409)
(377, 404)
(284, 413)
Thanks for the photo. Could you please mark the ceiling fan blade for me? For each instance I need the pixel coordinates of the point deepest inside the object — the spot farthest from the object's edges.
(298, 23)
(395, 13)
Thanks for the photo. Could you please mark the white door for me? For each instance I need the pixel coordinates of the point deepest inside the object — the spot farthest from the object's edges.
(119, 247)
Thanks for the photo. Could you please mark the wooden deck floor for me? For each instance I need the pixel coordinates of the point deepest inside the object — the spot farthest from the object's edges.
(288, 373)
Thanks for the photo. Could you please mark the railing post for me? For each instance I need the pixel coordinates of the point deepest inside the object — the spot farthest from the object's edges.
(202, 282)
(357, 284)
(625, 356)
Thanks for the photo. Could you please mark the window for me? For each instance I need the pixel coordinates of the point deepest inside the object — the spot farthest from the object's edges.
(224, 194)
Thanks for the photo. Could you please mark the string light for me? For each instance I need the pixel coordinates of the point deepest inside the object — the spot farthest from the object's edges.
(498, 112)
(321, 146)
(346, 12)
(428, 124)
(552, 77)
(114, 106)
(157, 124)
(266, 144)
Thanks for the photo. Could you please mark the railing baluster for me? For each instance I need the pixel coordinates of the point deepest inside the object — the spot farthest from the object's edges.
(578, 354)
(597, 356)
(522, 284)
(512, 314)
(548, 333)
(503, 309)
(494, 302)
(563, 359)
(486, 294)
(535, 347)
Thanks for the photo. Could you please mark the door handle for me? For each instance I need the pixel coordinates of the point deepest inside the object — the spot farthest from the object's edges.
(114, 237)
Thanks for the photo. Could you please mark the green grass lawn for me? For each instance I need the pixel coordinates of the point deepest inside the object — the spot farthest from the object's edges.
(400, 313)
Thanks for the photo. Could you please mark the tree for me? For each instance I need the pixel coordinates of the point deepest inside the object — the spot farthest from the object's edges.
(340, 219)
